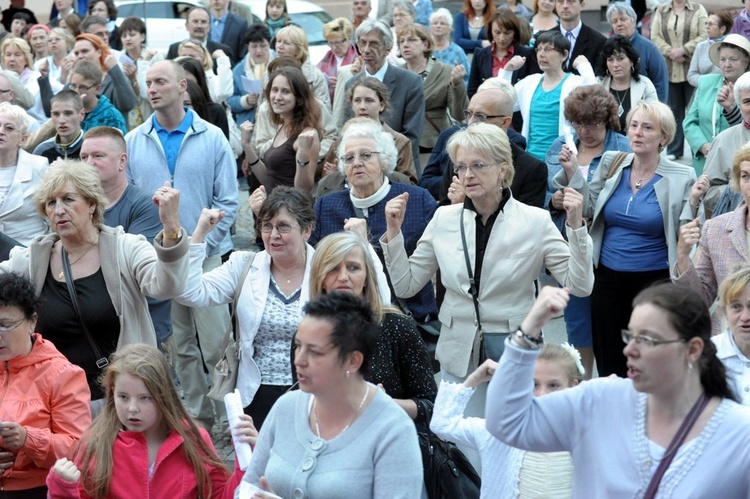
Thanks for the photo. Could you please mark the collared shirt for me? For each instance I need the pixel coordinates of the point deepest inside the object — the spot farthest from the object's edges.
(500, 60)
(572, 38)
(217, 27)
(736, 363)
(171, 141)
(380, 74)
(483, 232)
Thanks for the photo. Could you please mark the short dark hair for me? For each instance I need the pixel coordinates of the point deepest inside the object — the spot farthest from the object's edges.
(68, 95)
(89, 21)
(555, 38)
(90, 71)
(23, 16)
(688, 314)
(17, 291)
(298, 203)
(195, 68)
(257, 32)
(354, 329)
(726, 19)
(373, 84)
(133, 24)
(111, 8)
(619, 44)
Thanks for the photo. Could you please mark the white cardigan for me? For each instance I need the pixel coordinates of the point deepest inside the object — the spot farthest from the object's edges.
(525, 91)
(642, 90)
(217, 288)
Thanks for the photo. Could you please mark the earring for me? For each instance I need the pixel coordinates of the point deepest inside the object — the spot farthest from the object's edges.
(347, 374)
(690, 367)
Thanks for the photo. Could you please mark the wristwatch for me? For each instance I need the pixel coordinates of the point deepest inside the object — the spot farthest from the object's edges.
(303, 163)
(530, 342)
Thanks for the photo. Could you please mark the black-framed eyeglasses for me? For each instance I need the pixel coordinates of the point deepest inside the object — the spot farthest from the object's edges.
(481, 117)
(365, 156)
(591, 127)
(82, 88)
(646, 341)
(3, 91)
(363, 44)
(475, 167)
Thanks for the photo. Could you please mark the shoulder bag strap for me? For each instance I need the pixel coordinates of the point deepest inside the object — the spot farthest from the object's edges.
(235, 325)
(472, 284)
(101, 360)
(616, 162)
(675, 444)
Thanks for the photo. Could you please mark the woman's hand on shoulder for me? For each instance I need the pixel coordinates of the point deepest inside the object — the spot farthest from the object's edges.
(168, 201)
(67, 470)
(209, 219)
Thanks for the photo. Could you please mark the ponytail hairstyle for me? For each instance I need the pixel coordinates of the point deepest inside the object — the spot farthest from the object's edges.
(688, 314)
(94, 453)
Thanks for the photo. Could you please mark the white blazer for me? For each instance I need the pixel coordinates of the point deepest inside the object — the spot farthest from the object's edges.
(19, 217)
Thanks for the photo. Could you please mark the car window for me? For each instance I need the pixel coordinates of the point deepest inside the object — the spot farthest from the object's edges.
(155, 10)
(312, 23)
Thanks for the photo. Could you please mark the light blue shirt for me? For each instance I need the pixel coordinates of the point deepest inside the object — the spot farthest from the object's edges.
(171, 141)
(217, 27)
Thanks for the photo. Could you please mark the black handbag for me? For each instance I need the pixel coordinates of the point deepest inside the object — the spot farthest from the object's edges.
(448, 474)
(491, 345)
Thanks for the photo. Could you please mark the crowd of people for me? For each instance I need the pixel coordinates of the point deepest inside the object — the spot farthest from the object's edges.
(423, 176)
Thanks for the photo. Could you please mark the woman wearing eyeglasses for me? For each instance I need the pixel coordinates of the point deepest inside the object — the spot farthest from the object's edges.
(367, 155)
(637, 203)
(338, 34)
(540, 96)
(507, 244)
(273, 292)
(660, 433)
(592, 112)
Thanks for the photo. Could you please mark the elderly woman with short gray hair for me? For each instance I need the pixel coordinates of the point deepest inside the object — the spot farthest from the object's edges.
(367, 153)
(504, 243)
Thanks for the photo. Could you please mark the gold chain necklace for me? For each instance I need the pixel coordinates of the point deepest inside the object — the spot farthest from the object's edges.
(61, 275)
(359, 408)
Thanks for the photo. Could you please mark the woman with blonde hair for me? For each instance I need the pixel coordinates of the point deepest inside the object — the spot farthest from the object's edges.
(220, 84)
(16, 57)
(291, 41)
(338, 34)
(57, 64)
(401, 365)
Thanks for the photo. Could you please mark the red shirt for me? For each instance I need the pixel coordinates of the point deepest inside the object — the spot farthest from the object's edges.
(499, 63)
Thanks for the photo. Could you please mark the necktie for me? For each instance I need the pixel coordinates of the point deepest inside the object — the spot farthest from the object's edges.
(571, 39)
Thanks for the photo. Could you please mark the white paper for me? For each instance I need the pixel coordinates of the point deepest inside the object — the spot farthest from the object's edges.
(125, 59)
(243, 451)
(247, 489)
(569, 140)
(250, 86)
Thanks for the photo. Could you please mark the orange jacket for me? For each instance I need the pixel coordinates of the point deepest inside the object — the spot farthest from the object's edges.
(48, 396)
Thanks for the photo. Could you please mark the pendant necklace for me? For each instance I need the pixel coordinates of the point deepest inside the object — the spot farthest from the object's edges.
(359, 408)
(639, 183)
(61, 275)
(620, 109)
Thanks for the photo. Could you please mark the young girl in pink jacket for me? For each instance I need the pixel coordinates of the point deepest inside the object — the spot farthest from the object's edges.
(143, 444)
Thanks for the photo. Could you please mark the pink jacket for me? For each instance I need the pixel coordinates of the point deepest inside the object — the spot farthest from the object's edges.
(172, 477)
(48, 396)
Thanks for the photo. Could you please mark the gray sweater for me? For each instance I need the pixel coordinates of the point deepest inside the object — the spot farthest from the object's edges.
(377, 457)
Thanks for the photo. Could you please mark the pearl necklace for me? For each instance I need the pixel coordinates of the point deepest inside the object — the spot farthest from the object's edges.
(356, 414)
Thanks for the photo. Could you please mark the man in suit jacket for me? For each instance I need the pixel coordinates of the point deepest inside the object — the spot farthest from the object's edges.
(583, 39)
(530, 181)
(198, 25)
(227, 28)
(405, 89)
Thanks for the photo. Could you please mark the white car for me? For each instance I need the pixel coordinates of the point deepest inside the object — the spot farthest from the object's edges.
(165, 20)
